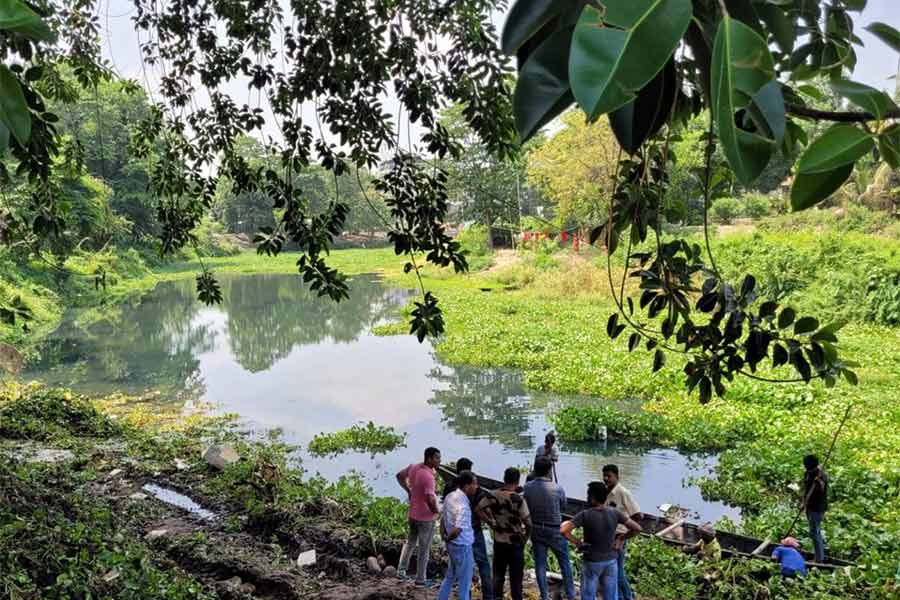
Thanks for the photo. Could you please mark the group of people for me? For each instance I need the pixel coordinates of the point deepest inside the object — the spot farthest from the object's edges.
(516, 514)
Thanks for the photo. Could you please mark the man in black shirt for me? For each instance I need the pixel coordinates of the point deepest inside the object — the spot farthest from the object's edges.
(815, 501)
(600, 557)
(479, 548)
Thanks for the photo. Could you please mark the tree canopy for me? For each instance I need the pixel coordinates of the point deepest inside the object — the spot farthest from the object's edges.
(649, 66)
(323, 75)
(576, 166)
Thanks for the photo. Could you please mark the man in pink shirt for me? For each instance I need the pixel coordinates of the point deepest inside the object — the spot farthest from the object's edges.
(419, 482)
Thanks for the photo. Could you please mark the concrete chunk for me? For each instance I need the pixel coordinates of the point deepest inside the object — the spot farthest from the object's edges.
(306, 558)
(221, 456)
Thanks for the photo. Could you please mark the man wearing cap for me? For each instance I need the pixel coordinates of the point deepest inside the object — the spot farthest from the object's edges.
(788, 556)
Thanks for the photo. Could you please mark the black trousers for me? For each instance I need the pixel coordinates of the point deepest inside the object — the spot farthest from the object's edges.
(509, 557)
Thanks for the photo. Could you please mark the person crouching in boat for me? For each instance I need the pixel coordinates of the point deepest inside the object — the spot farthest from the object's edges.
(708, 548)
(788, 556)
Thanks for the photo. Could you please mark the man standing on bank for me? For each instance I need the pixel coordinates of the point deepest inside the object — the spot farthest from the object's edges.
(479, 546)
(506, 511)
(815, 501)
(419, 482)
(456, 529)
(546, 500)
(622, 500)
(599, 523)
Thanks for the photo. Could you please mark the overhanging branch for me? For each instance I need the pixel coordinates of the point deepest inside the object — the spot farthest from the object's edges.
(837, 116)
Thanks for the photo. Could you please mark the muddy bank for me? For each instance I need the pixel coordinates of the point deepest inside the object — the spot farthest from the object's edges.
(116, 510)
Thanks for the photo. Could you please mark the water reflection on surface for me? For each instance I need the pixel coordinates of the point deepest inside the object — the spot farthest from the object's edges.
(281, 357)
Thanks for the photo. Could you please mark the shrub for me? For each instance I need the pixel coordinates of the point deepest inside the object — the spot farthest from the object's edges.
(474, 240)
(726, 210)
(756, 206)
(35, 413)
(883, 298)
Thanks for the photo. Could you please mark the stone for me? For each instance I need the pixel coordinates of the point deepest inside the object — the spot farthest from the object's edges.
(114, 473)
(381, 562)
(372, 565)
(221, 456)
(181, 465)
(306, 558)
(138, 496)
(231, 585)
(389, 571)
(111, 576)
(155, 534)
(248, 588)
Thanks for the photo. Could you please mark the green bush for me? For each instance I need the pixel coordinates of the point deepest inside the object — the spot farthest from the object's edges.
(38, 413)
(883, 298)
(756, 206)
(726, 210)
(474, 240)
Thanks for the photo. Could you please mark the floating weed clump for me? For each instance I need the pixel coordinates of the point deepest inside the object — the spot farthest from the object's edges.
(371, 438)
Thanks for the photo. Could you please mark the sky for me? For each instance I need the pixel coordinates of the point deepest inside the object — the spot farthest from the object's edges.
(877, 64)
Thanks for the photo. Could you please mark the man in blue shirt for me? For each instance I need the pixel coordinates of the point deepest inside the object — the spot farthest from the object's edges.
(546, 501)
(456, 529)
(788, 555)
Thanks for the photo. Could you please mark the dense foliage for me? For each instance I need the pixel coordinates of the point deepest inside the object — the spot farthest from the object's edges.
(650, 66)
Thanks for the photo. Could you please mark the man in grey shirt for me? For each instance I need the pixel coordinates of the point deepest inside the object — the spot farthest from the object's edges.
(546, 501)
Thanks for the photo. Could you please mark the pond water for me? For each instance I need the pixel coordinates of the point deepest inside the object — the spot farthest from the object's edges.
(282, 358)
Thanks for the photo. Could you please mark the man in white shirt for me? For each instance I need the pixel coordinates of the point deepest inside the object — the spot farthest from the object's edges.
(456, 529)
(620, 498)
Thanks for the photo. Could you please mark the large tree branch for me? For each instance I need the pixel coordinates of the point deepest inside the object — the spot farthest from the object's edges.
(837, 116)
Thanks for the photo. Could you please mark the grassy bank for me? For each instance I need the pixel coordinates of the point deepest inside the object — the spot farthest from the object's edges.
(546, 315)
(93, 529)
(76, 517)
(544, 312)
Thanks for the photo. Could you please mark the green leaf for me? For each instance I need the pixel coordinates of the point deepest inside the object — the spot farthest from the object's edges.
(542, 90)
(839, 146)
(617, 53)
(812, 91)
(889, 145)
(886, 34)
(641, 118)
(19, 18)
(14, 112)
(806, 325)
(767, 110)
(867, 98)
(811, 188)
(741, 67)
(786, 318)
(4, 138)
(850, 376)
(659, 360)
(781, 27)
(526, 17)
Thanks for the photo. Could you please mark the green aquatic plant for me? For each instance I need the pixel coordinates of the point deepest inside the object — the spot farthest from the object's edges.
(371, 438)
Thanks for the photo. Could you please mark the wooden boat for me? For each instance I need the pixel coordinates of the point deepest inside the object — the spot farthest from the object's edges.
(677, 531)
